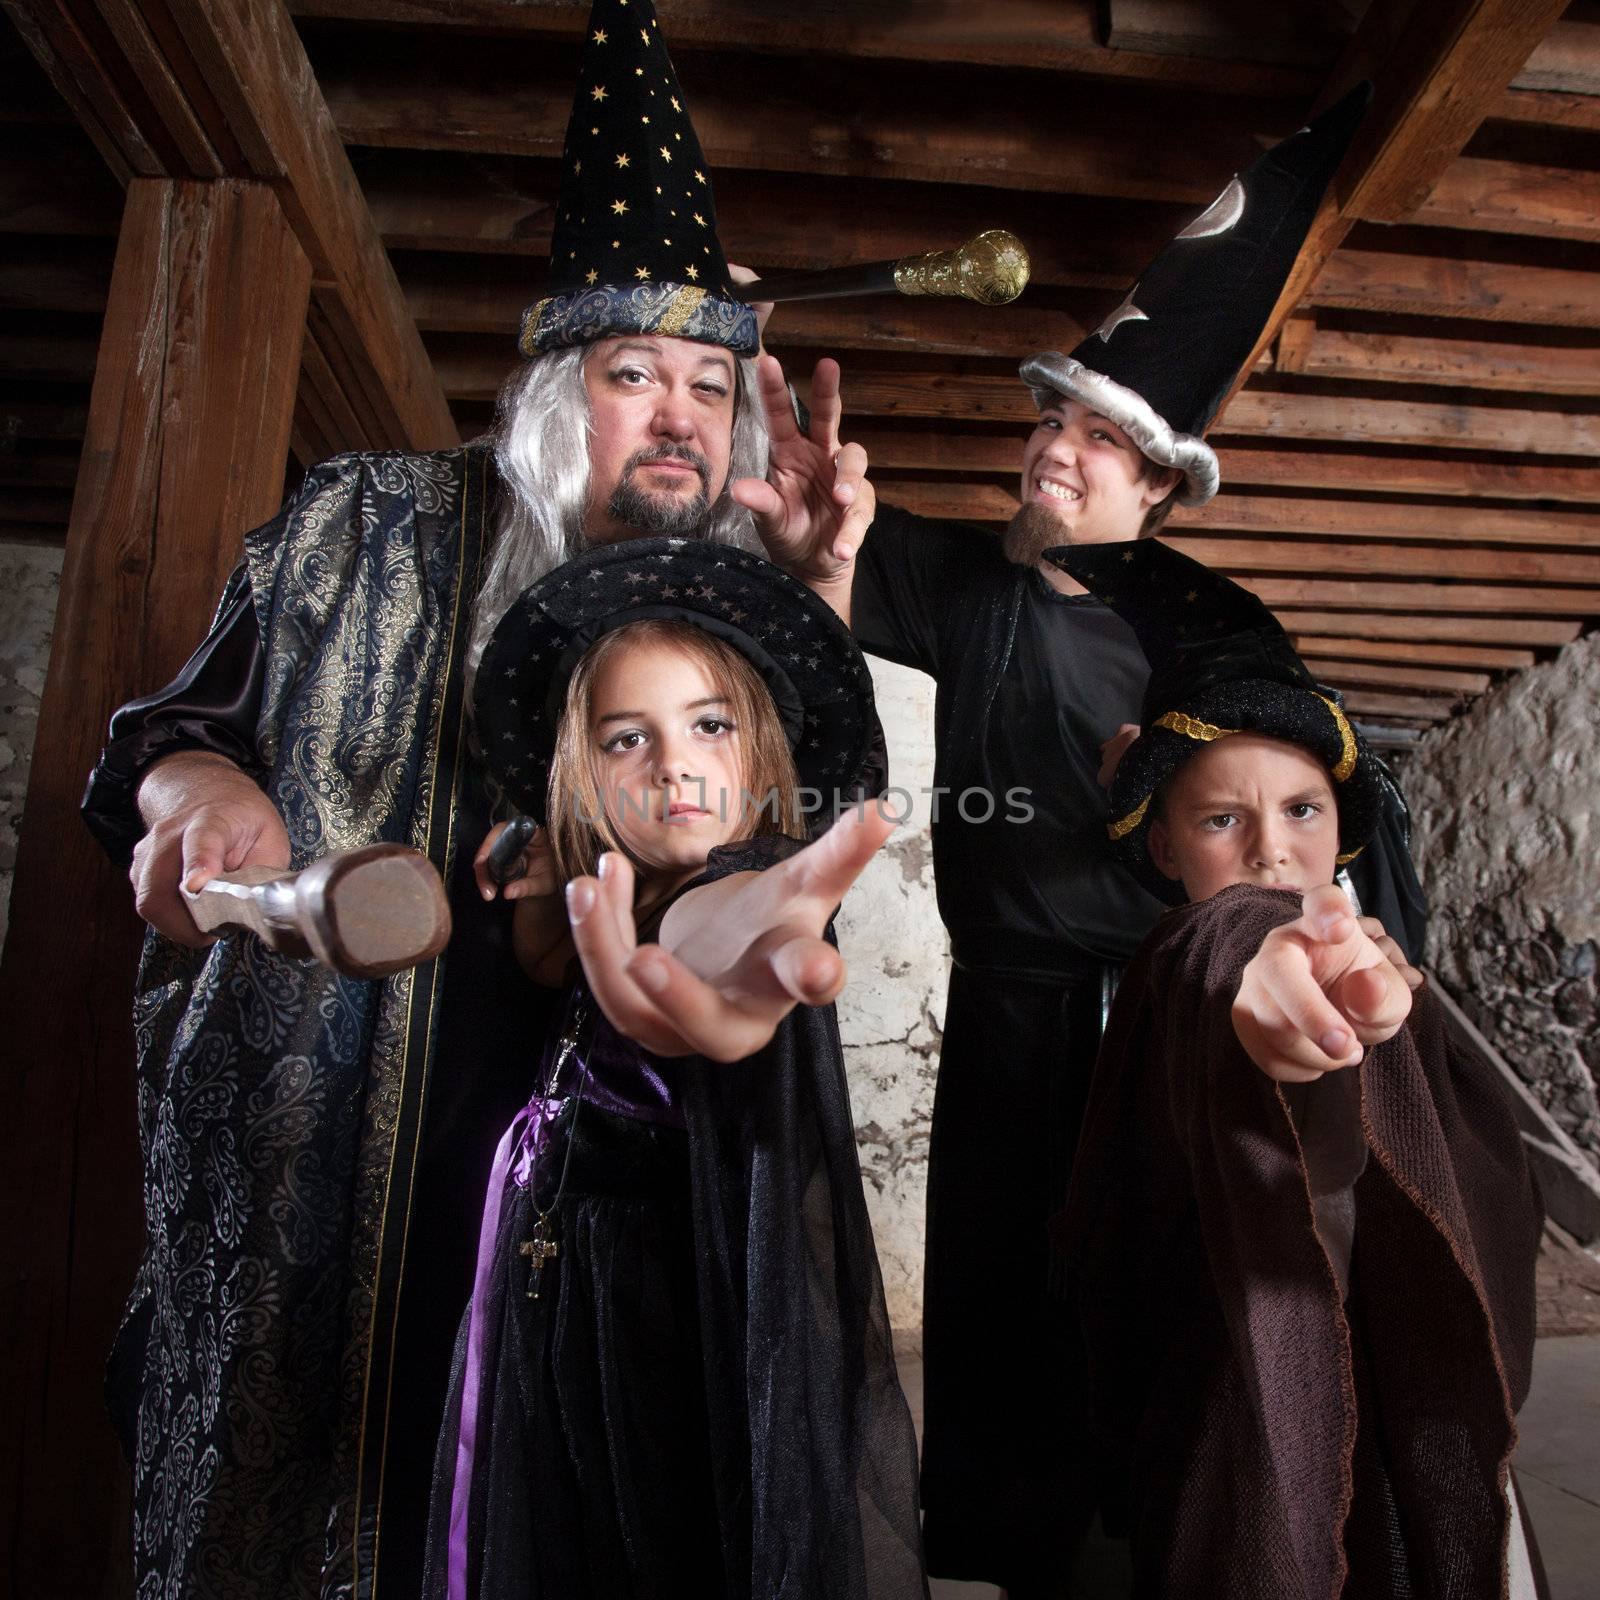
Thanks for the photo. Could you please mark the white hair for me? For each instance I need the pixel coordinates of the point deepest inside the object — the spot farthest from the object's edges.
(541, 447)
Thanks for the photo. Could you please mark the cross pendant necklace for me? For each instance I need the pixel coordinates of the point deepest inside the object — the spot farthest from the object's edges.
(542, 1248)
(539, 1249)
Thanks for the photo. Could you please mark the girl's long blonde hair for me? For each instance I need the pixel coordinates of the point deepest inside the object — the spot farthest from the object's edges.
(579, 829)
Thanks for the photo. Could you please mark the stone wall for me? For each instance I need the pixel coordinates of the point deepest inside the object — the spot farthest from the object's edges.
(30, 576)
(1505, 800)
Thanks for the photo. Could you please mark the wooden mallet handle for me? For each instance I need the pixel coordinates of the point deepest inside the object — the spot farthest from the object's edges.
(365, 912)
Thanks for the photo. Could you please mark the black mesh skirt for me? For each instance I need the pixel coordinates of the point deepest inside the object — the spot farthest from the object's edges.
(592, 1463)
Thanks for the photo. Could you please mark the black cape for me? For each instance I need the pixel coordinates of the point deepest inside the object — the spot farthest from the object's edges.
(812, 1456)
(1262, 1435)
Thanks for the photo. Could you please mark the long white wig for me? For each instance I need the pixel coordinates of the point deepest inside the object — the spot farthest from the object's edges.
(541, 446)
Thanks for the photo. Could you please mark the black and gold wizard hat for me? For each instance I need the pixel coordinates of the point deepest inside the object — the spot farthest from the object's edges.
(1163, 361)
(1220, 663)
(635, 246)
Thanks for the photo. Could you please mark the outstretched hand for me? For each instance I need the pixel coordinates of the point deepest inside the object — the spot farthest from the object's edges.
(735, 956)
(1319, 991)
(814, 506)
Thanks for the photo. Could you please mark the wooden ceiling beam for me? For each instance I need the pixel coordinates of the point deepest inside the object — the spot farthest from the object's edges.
(1417, 707)
(1053, 35)
(1411, 652)
(1391, 521)
(893, 444)
(1571, 113)
(1438, 69)
(1389, 560)
(1496, 603)
(1259, 413)
(1387, 474)
(391, 95)
(1254, 413)
(487, 294)
(1394, 675)
(1449, 362)
(1422, 629)
(1515, 197)
(207, 89)
(958, 502)
(1567, 59)
(1439, 286)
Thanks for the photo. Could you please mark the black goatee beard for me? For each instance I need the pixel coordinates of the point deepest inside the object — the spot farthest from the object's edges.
(662, 515)
(1032, 531)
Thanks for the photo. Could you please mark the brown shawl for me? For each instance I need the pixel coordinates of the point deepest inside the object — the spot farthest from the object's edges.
(1264, 1437)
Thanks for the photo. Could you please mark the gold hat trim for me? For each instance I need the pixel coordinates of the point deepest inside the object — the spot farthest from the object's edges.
(1347, 741)
(1118, 829)
(680, 308)
(1348, 856)
(1192, 727)
(530, 328)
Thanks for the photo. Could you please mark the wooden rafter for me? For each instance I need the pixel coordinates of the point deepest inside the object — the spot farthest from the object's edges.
(1438, 74)
(209, 89)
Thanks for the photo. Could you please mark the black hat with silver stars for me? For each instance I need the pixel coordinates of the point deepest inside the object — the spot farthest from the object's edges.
(812, 667)
(635, 246)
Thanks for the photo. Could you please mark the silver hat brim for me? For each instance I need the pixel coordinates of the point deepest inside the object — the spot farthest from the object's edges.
(1050, 376)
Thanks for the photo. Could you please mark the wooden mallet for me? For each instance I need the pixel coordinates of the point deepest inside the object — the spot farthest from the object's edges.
(365, 912)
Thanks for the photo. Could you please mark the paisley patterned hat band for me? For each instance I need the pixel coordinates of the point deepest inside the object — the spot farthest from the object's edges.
(669, 310)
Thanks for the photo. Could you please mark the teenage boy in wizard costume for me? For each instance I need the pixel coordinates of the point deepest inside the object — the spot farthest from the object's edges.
(281, 1370)
(1034, 674)
(1302, 1227)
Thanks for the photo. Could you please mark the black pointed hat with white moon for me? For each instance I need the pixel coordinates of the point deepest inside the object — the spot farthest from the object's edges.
(1162, 362)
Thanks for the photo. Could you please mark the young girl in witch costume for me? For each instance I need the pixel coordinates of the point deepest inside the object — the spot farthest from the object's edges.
(1301, 1220)
(675, 1376)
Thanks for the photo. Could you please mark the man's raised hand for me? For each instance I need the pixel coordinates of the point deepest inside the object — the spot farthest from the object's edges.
(1318, 992)
(815, 505)
(735, 957)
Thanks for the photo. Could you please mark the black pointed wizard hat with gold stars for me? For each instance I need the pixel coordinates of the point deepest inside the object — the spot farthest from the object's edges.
(812, 667)
(1220, 663)
(1163, 361)
(635, 246)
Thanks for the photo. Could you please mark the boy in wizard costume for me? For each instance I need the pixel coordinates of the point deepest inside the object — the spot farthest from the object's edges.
(1302, 1228)
(281, 1369)
(1034, 675)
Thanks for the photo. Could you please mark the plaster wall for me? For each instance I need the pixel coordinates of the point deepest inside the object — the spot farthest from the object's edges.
(1507, 841)
(891, 1014)
(30, 576)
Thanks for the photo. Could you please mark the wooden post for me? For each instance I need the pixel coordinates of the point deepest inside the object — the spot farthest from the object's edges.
(188, 434)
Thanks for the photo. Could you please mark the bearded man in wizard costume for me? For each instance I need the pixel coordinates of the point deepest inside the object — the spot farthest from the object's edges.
(314, 1145)
(1034, 674)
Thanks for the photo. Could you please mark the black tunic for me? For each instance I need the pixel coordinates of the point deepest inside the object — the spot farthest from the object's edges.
(1030, 682)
